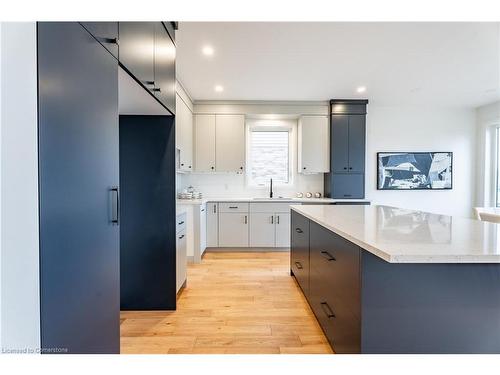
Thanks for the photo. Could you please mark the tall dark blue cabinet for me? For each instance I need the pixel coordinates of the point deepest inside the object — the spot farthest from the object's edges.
(147, 228)
(78, 182)
(346, 179)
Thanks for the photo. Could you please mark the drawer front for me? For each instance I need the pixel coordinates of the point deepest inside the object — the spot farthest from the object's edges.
(299, 251)
(180, 223)
(271, 207)
(336, 263)
(233, 207)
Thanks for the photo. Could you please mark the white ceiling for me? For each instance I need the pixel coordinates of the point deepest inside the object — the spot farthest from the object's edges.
(449, 64)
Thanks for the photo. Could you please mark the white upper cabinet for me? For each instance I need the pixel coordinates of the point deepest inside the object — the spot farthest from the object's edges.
(230, 143)
(184, 134)
(220, 143)
(204, 143)
(313, 144)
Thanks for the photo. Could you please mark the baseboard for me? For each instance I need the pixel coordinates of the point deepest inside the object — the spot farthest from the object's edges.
(248, 249)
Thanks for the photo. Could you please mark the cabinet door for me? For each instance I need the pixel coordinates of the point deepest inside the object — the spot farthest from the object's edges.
(233, 229)
(230, 143)
(78, 163)
(357, 134)
(314, 144)
(184, 134)
(164, 67)
(106, 33)
(212, 225)
(282, 221)
(262, 230)
(204, 143)
(203, 229)
(340, 144)
(137, 50)
(348, 186)
(299, 251)
(181, 260)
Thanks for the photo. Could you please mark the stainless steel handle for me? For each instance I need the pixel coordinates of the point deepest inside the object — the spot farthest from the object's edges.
(327, 310)
(329, 256)
(298, 265)
(115, 205)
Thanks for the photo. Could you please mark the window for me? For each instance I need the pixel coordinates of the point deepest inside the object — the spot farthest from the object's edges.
(269, 157)
(497, 186)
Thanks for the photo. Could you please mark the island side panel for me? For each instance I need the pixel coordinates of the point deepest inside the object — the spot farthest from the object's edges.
(429, 308)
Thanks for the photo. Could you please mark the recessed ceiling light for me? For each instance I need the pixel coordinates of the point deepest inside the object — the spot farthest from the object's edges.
(219, 88)
(208, 50)
(361, 89)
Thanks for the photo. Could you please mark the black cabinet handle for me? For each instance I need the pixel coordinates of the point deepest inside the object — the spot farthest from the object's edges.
(181, 223)
(328, 256)
(298, 265)
(246, 219)
(181, 237)
(149, 83)
(298, 230)
(327, 310)
(115, 205)
(350, 167)
(212, 167)
(347, 195)
(109, 40)
(241, 168)
(156, 89)
(203, 210)
(345, 168)
(272, 219)
(277, 219)
(215, 208)
(304, 168)
(182, 164)
(233, 206)
(189, 166)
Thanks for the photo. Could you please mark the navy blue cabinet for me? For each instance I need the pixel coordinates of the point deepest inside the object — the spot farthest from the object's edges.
(106, 33)
(299, 252)
(347, 151)
(78, 180)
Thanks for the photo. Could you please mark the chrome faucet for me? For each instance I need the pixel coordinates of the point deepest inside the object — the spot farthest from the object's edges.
(271, 188)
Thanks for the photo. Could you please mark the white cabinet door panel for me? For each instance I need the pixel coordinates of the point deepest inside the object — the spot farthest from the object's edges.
(262, 230)
(313, 144)
(282, 230)
(233, 229)
(212, 225)
(230, 143)
(203, 229)
(181, 259)
(205, 143)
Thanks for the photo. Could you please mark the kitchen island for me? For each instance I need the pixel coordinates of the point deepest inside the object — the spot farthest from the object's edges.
(388, 280)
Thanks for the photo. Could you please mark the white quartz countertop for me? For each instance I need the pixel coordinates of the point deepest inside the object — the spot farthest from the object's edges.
(400, 235)
(264, 200)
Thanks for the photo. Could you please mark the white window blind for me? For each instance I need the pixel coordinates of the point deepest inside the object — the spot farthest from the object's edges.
(269, 157)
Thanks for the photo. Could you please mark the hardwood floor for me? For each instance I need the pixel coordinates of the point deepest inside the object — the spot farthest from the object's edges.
(238, 302)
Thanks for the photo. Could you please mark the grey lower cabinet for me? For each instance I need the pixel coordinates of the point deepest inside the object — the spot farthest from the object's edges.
(365, 304)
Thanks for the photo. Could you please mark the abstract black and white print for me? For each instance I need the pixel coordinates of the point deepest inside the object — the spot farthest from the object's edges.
(414, 170)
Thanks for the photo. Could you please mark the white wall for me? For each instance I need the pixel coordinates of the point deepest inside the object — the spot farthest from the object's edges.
(19, 287)
(424, 129)
(487, 119)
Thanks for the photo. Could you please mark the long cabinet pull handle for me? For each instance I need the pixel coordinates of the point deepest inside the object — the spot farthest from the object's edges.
(277, 219)
(328, 256)
(246, 219)
(298, 265)
(233, 206)
(327, 310)
(298, 230)
(215, 209)
(115, 205)
(272, 219)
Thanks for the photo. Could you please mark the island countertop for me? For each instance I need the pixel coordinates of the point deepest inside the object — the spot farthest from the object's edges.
(399, 235)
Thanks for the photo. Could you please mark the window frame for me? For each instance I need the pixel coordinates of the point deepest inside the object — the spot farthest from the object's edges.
(269, 126)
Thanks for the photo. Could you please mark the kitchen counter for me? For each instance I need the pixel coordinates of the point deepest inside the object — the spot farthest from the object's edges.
(399, 235)
(382, 279)
(263, 200)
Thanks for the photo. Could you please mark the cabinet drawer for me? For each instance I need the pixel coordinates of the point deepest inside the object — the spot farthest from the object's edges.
(233, 207)
(299, 251)
(335, 266)
(180, 223)
(271, 207)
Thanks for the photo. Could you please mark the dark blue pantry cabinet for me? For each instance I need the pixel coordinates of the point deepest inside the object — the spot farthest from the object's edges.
(365, 304)
(82, 205)
(346, 179)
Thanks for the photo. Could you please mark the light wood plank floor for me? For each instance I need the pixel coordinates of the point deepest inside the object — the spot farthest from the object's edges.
(238, 302)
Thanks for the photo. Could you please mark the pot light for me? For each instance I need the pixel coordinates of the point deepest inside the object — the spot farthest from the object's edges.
(218, 88)
(208, 50)
(361, 89)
